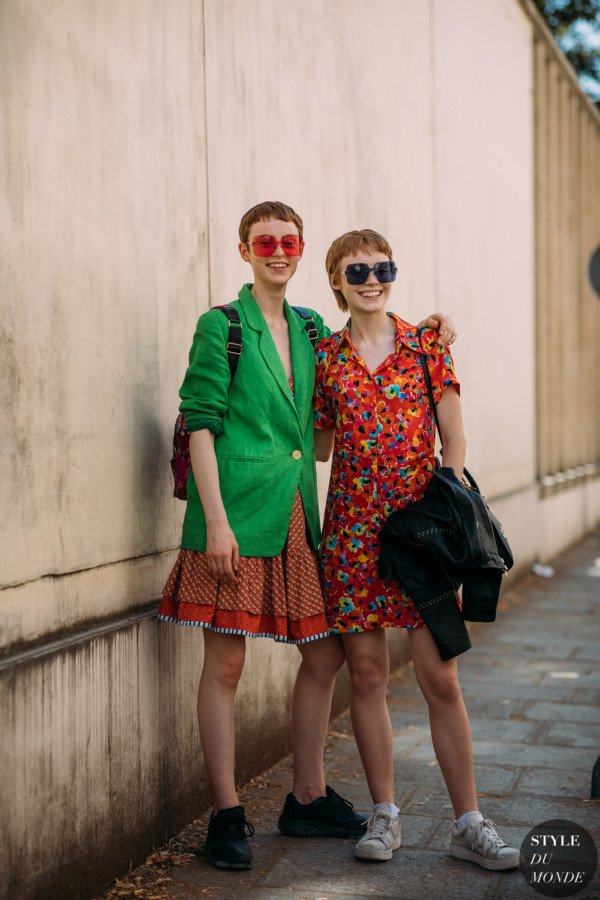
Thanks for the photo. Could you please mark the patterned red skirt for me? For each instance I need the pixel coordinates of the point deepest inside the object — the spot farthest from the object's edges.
(278, 596)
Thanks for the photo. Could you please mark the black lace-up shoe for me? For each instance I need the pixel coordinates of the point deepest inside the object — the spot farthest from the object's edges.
(226, 844)
(329, 816)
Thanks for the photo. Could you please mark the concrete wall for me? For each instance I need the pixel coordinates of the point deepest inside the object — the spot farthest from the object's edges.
(135, 135)
(100, 740)
(105, 267)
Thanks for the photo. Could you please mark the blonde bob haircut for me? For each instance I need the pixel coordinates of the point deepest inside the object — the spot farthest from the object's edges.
(262, 212)
(349, 244)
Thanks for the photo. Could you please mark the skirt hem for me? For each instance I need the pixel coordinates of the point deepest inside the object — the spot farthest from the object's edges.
(239, 631)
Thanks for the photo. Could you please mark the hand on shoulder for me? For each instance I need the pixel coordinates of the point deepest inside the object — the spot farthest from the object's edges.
(442, 327)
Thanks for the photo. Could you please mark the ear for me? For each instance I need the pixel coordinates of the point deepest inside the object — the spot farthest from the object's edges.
(244, 252)
(334, 281)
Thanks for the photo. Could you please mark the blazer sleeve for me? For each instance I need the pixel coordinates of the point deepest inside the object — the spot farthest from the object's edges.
(205, 389)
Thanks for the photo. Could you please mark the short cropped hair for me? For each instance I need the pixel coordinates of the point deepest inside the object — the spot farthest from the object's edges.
(262, 212)
(348, 245)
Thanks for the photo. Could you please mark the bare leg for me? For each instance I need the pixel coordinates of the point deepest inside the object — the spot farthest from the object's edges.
(369, 665)
(449, 722)
(311, 707)
(224, 656)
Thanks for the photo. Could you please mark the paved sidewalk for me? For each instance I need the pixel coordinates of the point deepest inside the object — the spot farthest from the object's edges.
(531, 684)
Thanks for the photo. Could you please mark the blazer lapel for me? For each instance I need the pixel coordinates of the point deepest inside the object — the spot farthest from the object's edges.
(267, 347)
(302, 360)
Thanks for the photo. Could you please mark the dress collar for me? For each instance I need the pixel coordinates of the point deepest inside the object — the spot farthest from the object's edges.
(406, 335)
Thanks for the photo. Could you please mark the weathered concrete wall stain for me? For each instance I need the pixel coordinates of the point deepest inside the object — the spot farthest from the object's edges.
(101, 744)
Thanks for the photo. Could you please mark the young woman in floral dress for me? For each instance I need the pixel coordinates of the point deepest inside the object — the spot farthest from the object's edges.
(371, 401)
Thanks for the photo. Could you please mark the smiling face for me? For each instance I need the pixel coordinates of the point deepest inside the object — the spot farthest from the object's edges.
(369, 297)
(364, 246)
(277, 269)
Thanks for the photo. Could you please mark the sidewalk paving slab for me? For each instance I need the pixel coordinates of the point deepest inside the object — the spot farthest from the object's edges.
(531, 686)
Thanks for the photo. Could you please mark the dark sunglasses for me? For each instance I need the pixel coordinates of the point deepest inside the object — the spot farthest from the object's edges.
(384, 272)
(266, 244)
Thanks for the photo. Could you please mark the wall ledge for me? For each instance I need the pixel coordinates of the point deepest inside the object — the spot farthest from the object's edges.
(79, 636)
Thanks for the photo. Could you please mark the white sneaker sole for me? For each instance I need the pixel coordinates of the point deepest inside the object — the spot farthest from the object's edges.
(494, 864)
(372, 853)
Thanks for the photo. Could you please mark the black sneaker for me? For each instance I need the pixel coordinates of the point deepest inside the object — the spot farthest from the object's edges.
(329, 816)
(226, 845)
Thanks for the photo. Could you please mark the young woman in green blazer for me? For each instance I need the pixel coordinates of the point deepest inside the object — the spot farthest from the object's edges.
(260, 466)
(247, 565)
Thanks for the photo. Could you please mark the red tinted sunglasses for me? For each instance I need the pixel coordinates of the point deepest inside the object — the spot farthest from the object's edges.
(266, 244)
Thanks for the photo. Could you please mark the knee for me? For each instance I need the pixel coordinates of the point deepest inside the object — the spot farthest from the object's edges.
(442, 689)
(226, 672)
(368, 675)
(322, 660)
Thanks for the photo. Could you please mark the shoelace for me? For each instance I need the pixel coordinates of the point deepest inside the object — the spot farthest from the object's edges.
(340, 801)
(486, 834)
(241, 829)
(378, 824)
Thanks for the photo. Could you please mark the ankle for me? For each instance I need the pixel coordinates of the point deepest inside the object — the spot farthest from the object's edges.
(227, 803)
(468, 818)
(307, 793)
(389, 809)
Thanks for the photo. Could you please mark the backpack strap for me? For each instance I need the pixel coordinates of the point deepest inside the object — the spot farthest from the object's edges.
(309, 323)
(234, 340)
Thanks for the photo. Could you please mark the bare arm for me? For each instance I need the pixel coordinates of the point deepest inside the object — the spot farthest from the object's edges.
(443, 324)
(222, 552)
(452, 431)
(323, 443)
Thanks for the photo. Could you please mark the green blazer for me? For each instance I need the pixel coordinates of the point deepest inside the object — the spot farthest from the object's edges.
(263, 434)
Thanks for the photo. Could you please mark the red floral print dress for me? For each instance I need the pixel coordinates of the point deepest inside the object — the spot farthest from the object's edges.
(383, 459)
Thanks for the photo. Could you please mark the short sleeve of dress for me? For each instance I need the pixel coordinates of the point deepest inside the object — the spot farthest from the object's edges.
(441, 365)
(323, 410)
(205, 389)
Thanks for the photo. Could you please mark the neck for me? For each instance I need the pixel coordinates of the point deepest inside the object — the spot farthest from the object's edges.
(371, 327)
(270, 300)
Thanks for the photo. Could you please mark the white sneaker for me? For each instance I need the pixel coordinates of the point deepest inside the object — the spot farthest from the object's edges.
(479, 842)
(381, 838)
